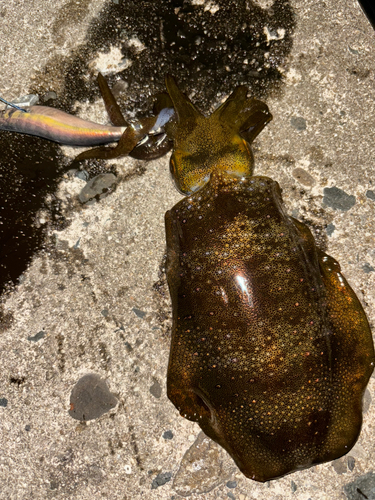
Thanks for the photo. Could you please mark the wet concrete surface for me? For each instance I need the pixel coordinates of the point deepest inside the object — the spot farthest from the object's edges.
(90, 276)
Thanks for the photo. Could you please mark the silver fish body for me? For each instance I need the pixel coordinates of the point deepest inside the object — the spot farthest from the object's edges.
(58, 126)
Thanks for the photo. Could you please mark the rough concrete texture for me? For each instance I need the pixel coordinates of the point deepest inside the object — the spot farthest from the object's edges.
(88, 303)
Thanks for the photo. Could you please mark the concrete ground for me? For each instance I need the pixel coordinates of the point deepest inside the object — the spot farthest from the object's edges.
(94, 300)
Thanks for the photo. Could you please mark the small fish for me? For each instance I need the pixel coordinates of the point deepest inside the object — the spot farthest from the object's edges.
(144, 139)
(58, 126)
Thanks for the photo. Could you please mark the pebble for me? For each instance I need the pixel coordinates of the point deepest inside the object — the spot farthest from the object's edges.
(351, 463)
(99, 186)
(139, 313)
(37, 336)
(160, 479)
(298, 123)
(330, 229)
(231, 484)
(340, 465)
(156, 390)
(303, 177)
(82, 174)
(367, 268)
(363, 487)
(338, 199)
(366, 403)
(90, 398)
(50, 96)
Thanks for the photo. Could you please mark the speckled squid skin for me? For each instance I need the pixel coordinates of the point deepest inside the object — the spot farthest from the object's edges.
(271, 350)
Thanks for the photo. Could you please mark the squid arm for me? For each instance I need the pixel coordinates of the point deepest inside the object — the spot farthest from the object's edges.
(143, 140)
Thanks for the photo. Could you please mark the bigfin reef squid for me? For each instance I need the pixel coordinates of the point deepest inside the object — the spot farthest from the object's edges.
(271, 349)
